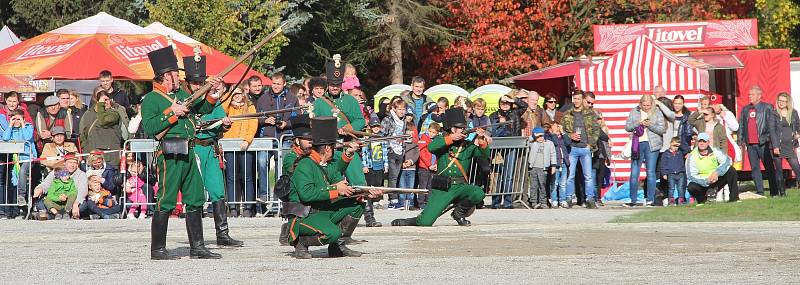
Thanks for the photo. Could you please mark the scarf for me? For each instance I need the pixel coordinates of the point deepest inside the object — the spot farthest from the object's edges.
(637, 132)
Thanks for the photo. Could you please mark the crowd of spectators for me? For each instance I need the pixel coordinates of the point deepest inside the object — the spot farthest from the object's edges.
(568, 148)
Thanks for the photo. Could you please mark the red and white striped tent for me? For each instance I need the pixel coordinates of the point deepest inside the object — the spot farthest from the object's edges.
(635, 70)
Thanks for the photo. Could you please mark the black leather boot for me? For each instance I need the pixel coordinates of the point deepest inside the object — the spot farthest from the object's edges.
(283, 239)
(461, 211)
(404, 222)
(221, 225)
(347, 226)
(301, 247)
(194, 227)
(158, 237)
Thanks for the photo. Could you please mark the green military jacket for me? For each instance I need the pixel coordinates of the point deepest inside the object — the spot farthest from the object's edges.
(334, 168)
(213, 133)
(463, 151)
(311, 187)
(348, 108)
(157, 116)
(589, 121)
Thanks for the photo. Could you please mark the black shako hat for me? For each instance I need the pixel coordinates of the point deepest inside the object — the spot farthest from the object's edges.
(301, 126)
(195, 68)
(454, 117)
(163, 60)
(323, 130)
(334, 70)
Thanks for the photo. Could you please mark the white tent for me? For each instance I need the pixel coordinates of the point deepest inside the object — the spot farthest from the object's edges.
(159, 28)
(7, 38)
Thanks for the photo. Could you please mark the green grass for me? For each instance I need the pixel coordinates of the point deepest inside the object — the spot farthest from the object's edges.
(769, 209)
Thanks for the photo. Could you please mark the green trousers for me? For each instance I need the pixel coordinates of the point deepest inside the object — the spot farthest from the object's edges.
(179, 173)
(325, 222)
(439, 200)
(355, 172)
(213, 178)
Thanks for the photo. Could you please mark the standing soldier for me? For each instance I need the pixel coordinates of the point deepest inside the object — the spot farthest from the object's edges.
(208, 152)
(165, 118)
(325, 214)
(450, 184)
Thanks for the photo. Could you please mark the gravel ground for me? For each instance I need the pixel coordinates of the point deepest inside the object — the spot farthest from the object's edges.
(502, 246)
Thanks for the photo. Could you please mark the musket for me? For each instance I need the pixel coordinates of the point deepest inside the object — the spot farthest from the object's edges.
(364, 190)
(213, 123)
(375, 139)
(474, 129)
(207, 87)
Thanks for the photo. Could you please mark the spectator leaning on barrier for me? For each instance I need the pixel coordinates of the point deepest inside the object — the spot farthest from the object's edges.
(759, 138)
(541, 162)
(710, 169)
(479, 117)
(59, 147)
(788, 129)
(79, 177)
(646, 123)
(45, 121)
(101, 126)
(239, 165)
(558, 184)
(19, 131)
(511, 109)
(580, 125)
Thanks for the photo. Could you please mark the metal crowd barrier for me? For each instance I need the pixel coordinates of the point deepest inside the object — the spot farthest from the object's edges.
(138, 148)
(238, 178)
(9, 200)
(508, 157)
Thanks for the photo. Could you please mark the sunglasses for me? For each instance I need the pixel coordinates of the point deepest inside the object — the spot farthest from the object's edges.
(551, 101)
(589, 103)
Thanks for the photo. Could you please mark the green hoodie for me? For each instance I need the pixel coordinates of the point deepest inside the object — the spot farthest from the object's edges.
(60, 187)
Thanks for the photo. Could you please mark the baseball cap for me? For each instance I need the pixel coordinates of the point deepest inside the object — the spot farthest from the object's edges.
(703, 137)
(716, 99)
(538, 131)
(51, 100)
(57, 130)
(374, 120)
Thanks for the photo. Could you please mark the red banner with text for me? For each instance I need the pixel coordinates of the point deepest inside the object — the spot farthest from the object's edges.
(716, 35)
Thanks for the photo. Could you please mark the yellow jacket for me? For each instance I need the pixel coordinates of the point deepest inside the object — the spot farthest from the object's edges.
(242, 129)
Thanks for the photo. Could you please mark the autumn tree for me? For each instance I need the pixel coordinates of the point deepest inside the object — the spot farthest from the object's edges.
(493, 41)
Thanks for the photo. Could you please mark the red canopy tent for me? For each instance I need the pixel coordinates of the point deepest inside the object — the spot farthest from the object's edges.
(633, 71)
(82, 49)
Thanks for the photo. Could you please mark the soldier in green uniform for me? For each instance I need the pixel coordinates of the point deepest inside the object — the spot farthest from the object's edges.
(321, 209)
(208, 152)
(454, 155)
(334, 102)
(301, 147)
(164, 117)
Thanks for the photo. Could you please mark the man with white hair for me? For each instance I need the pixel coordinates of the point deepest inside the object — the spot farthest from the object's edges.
(756, 137)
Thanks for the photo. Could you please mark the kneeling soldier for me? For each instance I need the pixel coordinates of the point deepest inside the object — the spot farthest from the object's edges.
(450, 184)
(323, 212)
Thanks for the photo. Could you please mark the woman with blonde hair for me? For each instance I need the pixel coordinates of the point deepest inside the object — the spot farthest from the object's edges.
(240, 164)
(646, 123)
(788, 129)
